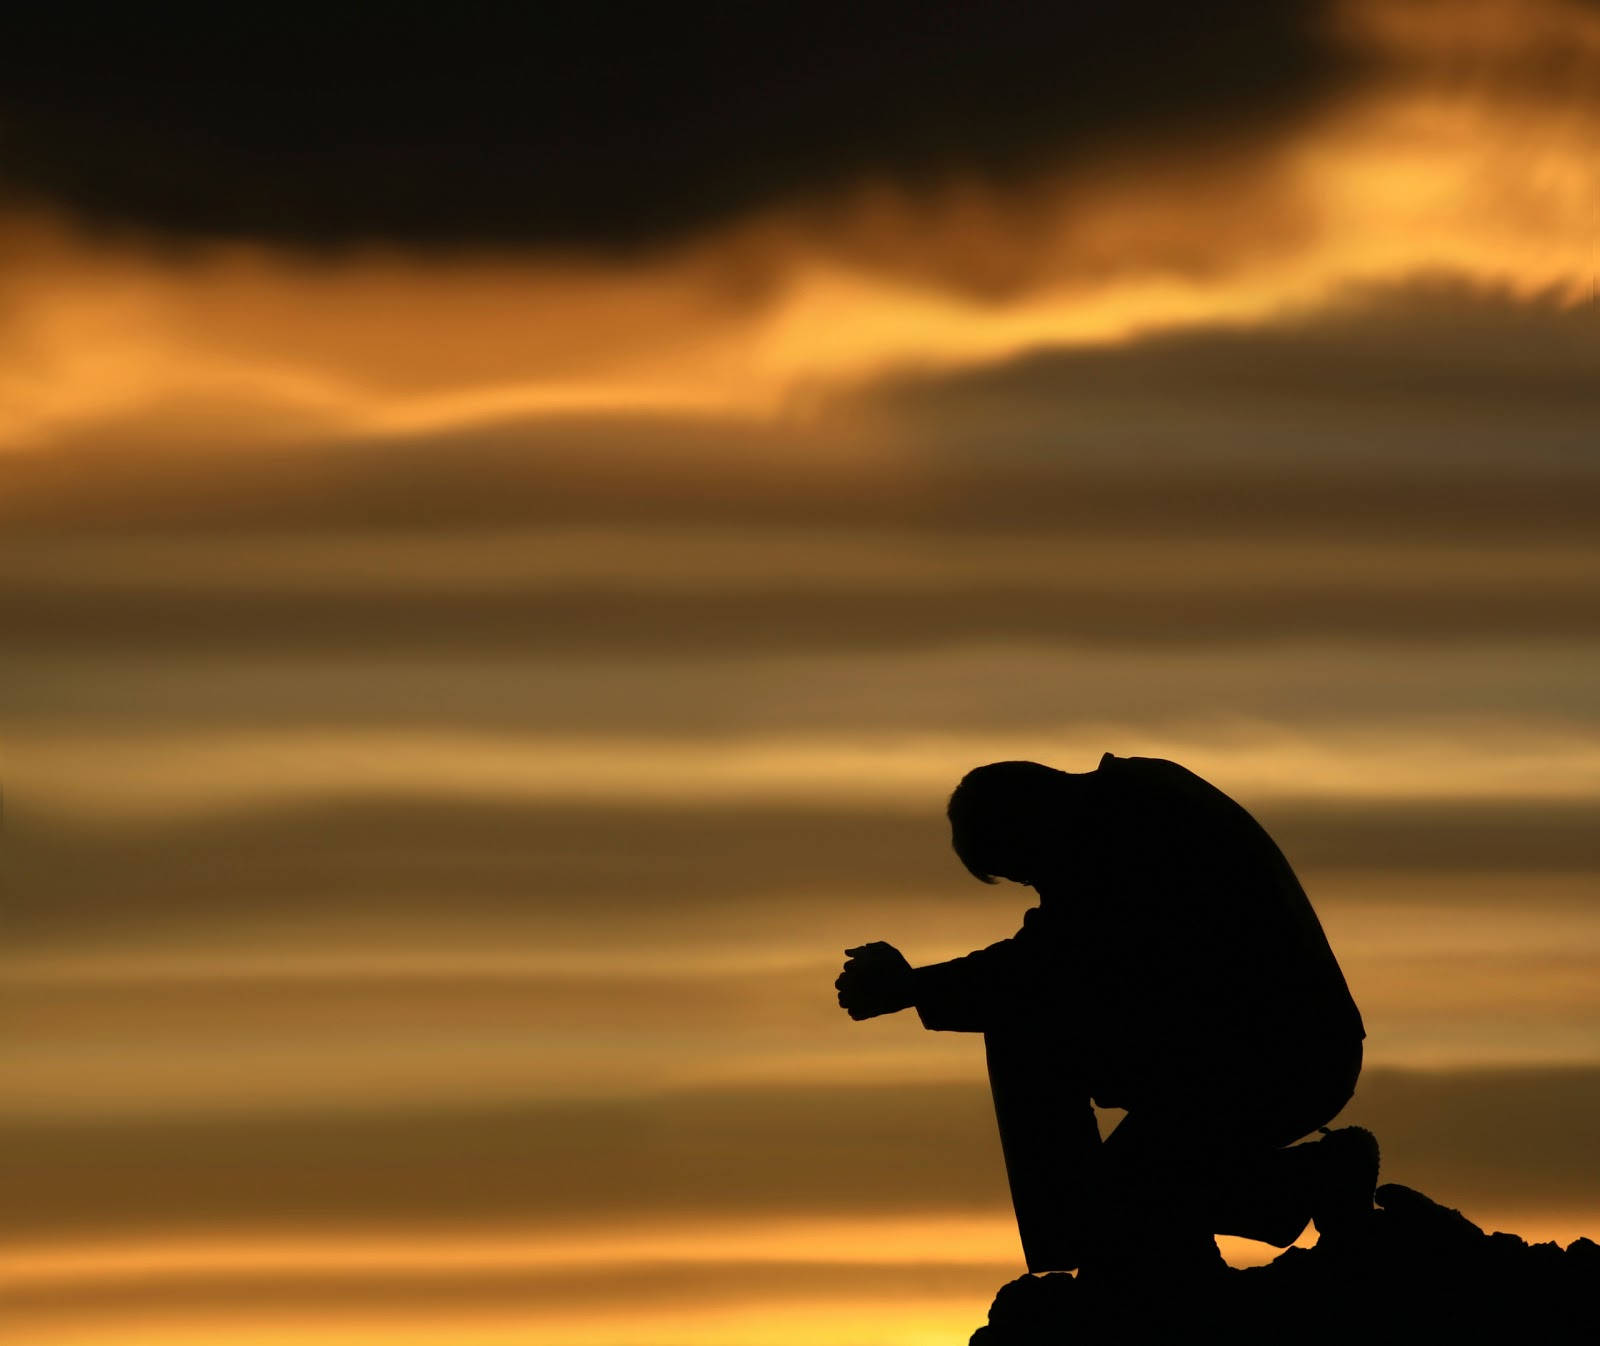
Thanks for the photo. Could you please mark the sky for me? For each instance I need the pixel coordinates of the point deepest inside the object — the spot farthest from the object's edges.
(513, 525)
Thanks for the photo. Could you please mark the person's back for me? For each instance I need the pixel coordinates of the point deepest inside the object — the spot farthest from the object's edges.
(1181, 916)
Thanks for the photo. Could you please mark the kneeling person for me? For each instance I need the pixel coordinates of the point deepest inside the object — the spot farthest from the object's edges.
(1173, 968)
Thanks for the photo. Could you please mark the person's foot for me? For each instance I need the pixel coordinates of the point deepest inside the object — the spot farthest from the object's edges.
(1344, 1177)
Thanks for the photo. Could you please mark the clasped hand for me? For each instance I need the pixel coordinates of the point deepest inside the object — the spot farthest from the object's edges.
(876, 980)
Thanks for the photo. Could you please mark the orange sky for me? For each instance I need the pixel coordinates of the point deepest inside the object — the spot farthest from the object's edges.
(459, 702)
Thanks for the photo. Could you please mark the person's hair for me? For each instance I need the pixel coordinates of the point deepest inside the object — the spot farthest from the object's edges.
(995, 807)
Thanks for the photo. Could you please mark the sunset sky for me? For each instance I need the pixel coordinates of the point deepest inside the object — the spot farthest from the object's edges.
(511, 527)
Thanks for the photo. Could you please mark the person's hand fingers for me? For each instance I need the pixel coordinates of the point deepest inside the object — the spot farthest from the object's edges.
(875, 946)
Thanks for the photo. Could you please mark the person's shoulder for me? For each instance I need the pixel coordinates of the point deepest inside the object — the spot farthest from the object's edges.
(1147, 768)
(1158, 776)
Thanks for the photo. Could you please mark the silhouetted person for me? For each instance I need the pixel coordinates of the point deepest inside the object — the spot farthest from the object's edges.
(1174, 968)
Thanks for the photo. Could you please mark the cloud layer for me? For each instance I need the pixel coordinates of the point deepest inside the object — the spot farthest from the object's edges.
(571, 128)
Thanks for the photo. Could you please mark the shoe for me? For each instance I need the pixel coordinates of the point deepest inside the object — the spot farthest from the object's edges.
(1344, 1177)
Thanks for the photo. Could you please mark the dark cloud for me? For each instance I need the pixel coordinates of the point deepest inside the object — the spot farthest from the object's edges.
(171, 1006)
(967, 688)
(1431, 372)
(537, 1166)
(1477, 837)
(639, 620)
(427, 860)
(1507, 1139)
(634, 471)
(1520, 1140)
(666, 874)
(566, 124)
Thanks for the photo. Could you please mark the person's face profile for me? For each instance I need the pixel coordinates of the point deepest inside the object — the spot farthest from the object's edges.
(1016, 859)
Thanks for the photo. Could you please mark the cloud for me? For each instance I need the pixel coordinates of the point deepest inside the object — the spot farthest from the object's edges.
(1511, 1140)
(435, 874)
(503, 1005)
(1005, 690)
(631, 475)
(527, 1166)
(1490, 1141)
(1407, 411)
(95, 772)
(570, 128)
(1430, 372)
(644, 623)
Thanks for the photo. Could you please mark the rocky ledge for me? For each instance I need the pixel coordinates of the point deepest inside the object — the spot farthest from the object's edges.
(1415, 1272)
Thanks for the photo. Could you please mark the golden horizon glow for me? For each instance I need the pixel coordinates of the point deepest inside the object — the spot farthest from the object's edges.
(924, 1241)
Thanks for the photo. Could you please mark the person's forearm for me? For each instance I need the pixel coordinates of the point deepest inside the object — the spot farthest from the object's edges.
(946, 998)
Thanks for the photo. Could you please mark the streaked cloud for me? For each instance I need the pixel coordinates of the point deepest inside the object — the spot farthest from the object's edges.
(424, 880)
(663, 562)
(308, 1009)
(1003, 688)
(700, 1154)
(133, 776)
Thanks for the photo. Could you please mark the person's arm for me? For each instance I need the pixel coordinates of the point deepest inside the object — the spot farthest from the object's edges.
(967, 994)
(963, 995)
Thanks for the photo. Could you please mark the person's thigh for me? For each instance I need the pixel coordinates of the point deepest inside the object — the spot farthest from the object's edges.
(1191, 1154)
(1051, 1144)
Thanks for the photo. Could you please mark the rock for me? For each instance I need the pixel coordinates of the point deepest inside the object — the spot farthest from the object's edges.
(1416, 1271)
(1586, 1252)
(1426, 1218)
(1024, 1307)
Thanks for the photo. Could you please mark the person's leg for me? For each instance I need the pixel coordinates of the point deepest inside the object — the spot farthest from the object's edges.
(1224, 1161)
(1051, 1142)
(1158, 1176)
(1276, 1191)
